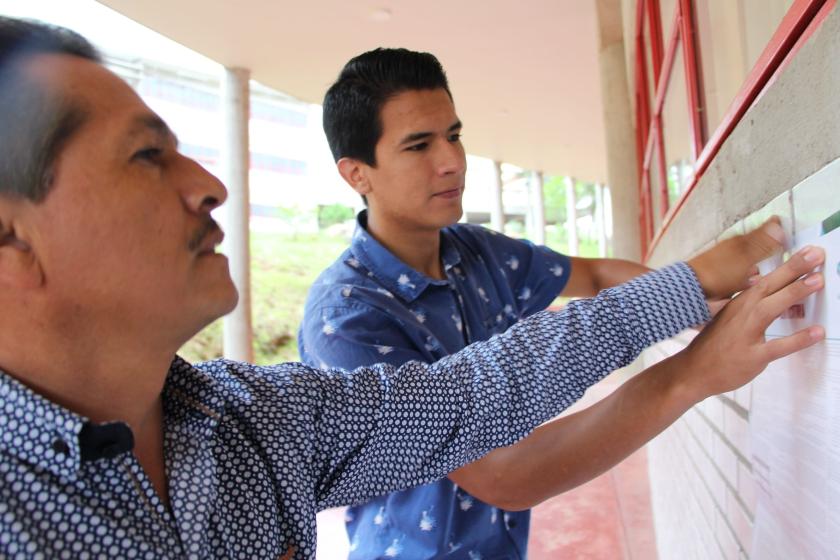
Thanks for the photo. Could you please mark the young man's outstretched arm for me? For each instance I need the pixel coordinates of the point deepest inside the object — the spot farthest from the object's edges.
(569, 451)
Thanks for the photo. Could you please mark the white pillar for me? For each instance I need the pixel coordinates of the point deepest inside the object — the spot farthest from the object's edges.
(571, 216)
(529, 206)
(497, 209)
(235, 159)
(608, 221)
(601, 221)
(538, 208)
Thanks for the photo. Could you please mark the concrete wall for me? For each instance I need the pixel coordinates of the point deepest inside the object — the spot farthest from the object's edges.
(704, 494)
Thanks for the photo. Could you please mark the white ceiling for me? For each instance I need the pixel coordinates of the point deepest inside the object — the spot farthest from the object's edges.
(524, 74)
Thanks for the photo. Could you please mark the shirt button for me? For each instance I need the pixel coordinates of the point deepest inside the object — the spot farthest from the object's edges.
(60, 446)
(110, 451)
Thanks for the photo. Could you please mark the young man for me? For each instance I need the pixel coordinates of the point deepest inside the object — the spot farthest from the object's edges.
(415, 285)
(112, 447)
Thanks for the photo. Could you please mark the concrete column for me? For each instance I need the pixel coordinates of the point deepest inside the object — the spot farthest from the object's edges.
(571, 217)
(235, 160)
(529, 207)
(497, 209)
(608, 214)
(622, 172)
(538, 208)
(600, 220)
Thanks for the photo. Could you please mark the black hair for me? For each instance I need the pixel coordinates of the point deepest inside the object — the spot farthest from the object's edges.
(353, 104)
(34, 123)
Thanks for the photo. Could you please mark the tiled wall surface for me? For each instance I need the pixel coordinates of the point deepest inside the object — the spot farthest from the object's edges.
(703, 491)
(783, 158)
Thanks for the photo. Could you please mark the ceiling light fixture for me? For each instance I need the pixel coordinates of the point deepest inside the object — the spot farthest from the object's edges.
(380, 15)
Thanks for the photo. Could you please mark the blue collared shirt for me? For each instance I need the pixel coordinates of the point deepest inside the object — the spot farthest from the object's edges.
(252, 453)
(371, 307)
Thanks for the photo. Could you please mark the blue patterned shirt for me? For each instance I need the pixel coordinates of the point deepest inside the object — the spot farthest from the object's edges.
(252, 453)
(371, 307)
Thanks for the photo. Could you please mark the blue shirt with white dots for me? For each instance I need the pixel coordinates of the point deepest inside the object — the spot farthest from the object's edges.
(252, 453)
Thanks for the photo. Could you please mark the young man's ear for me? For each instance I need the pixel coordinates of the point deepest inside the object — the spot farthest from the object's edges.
(355, 173)
(19, 266)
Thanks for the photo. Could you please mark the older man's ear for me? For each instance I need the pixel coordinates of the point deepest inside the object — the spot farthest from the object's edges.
(19, 266)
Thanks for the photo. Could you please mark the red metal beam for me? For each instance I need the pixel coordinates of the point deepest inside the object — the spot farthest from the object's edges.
(647, 222)
(662, 168)
(642, 87)
(693, 79)
(656, 119)
(667, 64)
(643, 123)
(655, 30)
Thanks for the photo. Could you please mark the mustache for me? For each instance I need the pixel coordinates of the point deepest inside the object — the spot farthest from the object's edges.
(207, 227)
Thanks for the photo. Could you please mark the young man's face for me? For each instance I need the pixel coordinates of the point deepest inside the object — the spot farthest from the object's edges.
(124, 236)
(418, 180)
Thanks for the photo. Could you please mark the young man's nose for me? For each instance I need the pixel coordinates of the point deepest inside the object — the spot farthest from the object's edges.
(451, 159)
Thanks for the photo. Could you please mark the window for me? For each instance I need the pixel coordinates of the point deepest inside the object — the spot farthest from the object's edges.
(731, 36)
(676, 131)
(699, 66)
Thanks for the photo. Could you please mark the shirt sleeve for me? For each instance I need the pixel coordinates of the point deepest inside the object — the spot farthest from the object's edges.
(382, 428)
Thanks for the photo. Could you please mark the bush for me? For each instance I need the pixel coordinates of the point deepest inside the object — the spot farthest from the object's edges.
(334, 214)
(283, 268)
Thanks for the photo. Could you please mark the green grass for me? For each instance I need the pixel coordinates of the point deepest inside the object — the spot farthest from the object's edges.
(282, 270)
(556, 240)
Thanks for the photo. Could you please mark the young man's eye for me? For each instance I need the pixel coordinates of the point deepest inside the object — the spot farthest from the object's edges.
(417, 147)
(455, 137)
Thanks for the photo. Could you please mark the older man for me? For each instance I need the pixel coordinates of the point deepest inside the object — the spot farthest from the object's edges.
(110, 446)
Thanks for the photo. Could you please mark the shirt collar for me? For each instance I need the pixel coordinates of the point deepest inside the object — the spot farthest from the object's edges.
(47, 435)
(191, 391)
(399, 278)
(38, 431)
(449, 253)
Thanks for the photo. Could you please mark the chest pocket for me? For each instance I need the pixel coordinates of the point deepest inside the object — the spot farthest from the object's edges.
(484, 306)
(496, 320)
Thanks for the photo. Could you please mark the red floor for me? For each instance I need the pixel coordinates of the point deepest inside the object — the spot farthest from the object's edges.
(608, 518)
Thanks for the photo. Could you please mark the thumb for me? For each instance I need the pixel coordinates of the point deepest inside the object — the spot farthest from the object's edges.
(725, 268)
(764, 241)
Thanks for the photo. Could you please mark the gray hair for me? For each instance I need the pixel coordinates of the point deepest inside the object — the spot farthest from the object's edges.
(34, 123)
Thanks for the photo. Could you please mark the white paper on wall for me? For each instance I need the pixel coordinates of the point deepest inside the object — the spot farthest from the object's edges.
(795, 426)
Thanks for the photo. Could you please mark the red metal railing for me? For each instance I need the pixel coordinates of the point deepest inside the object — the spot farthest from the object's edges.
(799, 23)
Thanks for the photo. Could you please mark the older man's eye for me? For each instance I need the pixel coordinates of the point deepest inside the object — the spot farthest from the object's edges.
(151, 154)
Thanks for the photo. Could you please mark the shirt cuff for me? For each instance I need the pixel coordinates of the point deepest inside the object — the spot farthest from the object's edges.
(663, 303)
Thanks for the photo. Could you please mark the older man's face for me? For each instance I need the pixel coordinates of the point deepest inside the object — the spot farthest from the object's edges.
(124, 237)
